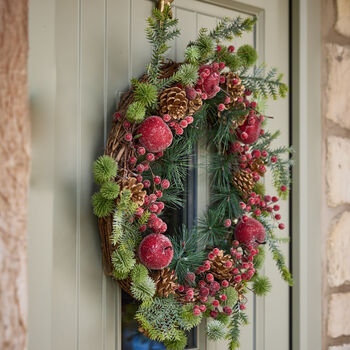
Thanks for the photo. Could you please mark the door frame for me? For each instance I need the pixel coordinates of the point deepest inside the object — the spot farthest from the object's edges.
(305, 44)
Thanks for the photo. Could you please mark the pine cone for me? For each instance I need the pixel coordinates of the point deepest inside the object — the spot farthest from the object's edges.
(255, 166)
(165, 281)
(194, 105)
(219, 269)
(234, 90)
(173, 101)
(137, 194)
(243, 181)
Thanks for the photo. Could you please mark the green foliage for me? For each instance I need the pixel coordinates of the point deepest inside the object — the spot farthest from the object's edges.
(161, 319)
(139, 273)
(247, 55)
(265, 85)
(261, 285)
(105, 168)
(146, 94)
(102, 206)
(259, 258)
(189, 320)
(187, 74)
(178, 344)
(215, 330)
(223, 318)
(188, 252)
(120, 275)
(143, 289)
(238, 319)
(232, 297)
(161, 29)
(110, 190)
(136, 112)
(192, 54)
(232, 61)
(123, 260)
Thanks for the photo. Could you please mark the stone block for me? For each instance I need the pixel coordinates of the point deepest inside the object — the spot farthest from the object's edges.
(338, 252)
(342, 24)
(339, 315)
(338, 171)
(340, 347)
(337, 103)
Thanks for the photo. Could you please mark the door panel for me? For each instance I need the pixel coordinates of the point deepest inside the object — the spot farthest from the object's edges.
(96, 46)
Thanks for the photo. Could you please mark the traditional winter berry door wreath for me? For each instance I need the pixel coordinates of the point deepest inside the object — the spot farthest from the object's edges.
(182, 276)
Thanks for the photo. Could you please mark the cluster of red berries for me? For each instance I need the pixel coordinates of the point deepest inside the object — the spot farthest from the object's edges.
(178, 126)
(258, 206)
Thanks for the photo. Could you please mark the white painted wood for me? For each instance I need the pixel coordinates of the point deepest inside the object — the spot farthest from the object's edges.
(92, 48)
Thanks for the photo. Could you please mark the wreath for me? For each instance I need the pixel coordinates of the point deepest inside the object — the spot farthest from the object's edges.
(179, 275)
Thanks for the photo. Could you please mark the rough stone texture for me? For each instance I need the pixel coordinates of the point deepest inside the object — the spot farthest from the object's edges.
(337, 104)
(342, 25)
(339, 315)
(338, 252)
(14, 160)
(340, 347)
(338, 170)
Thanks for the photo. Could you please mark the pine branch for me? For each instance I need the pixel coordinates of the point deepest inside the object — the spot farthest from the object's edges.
(238, 319)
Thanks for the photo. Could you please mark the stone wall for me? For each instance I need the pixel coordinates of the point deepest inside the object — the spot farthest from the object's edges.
(336, 161)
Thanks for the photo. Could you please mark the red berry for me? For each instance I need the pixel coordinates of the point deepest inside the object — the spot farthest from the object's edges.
(165, 184)
(157, 180)
(274, 199)
(231, 48)
(183, 123)
(180, 288)
(214, 286)
(264, 154)
(213, 314)
(203, 308)
(179, 131)
(139, 212)
(141, 151)
(253, 104)
(216, 251)
(283, 188)
(153, 208)
(257, 212)
(235, 271)
(159, 194)
(150, 157)
(222, 65)
(225, 283)
(273, 159)
(215, 303)
(155, 251)
(152, 198)
(256, 153)
(166, 118)
(196, 312)
(221, 107)
(227, 310)
(128, 137)
(204, 292)
(242, 307)
(209, 277)
(211, 256)
(117, 116)
(245, 218)
(143, 228)
(132, 160)
(227, 100)
(276, 207)
(251, 232)
(244, 136)
(228, 264)
(189, 119)
(156, 135)
(147, 184)
(223, 297)
(227, 223)
(281, 226)
(237, 278)
(235, 243)
(278, 217)
(126, 124)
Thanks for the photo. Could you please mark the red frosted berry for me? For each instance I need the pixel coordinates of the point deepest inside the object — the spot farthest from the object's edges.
(227, 223)
(256, 153)
(203, 308)
(237, 278)
(235, 271)
(276, 207)
(264, 154)
(160, 205)
(166, 118)
(179, 131)
(126, 124)
(196, 312)
(245, 218)
(140, 168)
(223, 297)
(139, 212)
(248, 134)
(281, 226)
(152, 198)
(253, 104)
(189, 119)
(215, 303)
(128, 137)
(225, 283)
(215, 66)
(251, 232)
(150, 157)
(143, 228)
(180, 288)
(156, 135)
(274, 199)
(204, 96)
(257, 212)
(204, 292)
(202, 283)
(214, 286)
(216, 251)
(155, 251)
(183, 123)
(211, 256)
(228, 263)
(209, 277)
(231, 48)
(146, 184)
(222, 65)
(242, 307)
(157, 180)
(283, 188)
(190, 277)
(132, 160)
(141, 151)
(222, 79)
(159, 194)
(153, 208)
(117, 116)
(139, 178)
(278, 217)
(165, 184)
(247, 92)
(213, 314)
(227, 310)
(273, 159)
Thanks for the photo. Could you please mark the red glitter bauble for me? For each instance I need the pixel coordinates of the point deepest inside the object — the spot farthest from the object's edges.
(156, 135)
(251, 232)
(156, 251)
(253, 131)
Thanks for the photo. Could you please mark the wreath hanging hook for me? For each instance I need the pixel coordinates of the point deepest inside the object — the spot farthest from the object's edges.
(163, 3)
